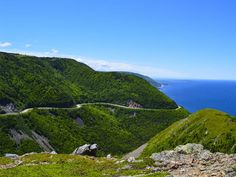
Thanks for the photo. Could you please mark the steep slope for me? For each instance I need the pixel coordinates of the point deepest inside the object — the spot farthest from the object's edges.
(116, 130)
(149, 79)
(27, 81)
(213, 129)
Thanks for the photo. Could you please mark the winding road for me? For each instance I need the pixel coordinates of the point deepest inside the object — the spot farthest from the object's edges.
(136, 153)
(84, 104)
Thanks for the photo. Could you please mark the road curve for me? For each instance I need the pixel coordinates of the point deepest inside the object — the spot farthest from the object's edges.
(84, 104)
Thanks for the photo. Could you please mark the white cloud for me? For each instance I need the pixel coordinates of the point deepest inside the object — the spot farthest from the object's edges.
(5, 44)
(28, 45)
(52, 52)
(103, 65)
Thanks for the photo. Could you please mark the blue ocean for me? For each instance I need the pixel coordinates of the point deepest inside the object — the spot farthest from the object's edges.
(199, 94)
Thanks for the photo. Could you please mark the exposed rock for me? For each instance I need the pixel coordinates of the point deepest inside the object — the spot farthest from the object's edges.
(131, 159)
(132, 104)
(17, 136)
(192, 160)
(42, 141)
(79, 121)
(87, 149)
(12, 156)
(189, 148)
(109, 156)
(205, 155)
(53, 152)
(8, 108)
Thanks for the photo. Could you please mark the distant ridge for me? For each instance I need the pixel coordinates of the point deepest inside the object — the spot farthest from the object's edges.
(147, 78)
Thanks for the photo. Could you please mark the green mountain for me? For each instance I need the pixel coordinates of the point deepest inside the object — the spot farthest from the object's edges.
(116, 130)
(149, 79)
(213, 129)
(27, 81)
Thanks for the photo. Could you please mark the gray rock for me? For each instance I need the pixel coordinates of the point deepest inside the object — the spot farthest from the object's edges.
(164, 156)
(79, 121)
(189, 148)
(12, 156)
(109, 156)
(192, 160)
(53, 152)
(205, 155)
(131, 159)
(87, 149)
(8, 108)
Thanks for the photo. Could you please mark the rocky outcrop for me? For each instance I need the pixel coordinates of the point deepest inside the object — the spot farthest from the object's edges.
(87, 149)
(193, 160)
(8, 108)
(132, 104)
(79, 121)
(18, 135)
(42, 141)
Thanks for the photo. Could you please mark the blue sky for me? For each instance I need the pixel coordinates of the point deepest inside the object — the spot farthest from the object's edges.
(160, 38)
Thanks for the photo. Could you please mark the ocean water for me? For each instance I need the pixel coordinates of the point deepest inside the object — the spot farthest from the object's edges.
(199, 94)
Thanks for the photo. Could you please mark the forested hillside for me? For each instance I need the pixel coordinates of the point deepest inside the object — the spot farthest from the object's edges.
(116, 130)
(27, 81)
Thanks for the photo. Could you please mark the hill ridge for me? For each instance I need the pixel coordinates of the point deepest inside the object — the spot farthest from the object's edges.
(28, 81)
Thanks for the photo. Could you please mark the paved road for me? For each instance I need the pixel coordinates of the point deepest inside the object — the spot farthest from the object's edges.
(117, 105)
(136, 153)
(83, 104)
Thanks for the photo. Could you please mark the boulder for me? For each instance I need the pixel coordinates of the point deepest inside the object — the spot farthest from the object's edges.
(192, 160)
(12, 156)
(205, 155)
(8, 108)
(109, 156)
(164, 156)
(53, 152)
(87, 149)
(131, 159)
(189, 148)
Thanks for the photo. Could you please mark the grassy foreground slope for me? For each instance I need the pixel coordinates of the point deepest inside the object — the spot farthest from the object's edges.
(47, 165)
(213, 129)
(28, 81)
(116, 130)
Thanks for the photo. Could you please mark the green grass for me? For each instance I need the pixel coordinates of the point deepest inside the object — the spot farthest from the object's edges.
(115, 130)
(4, 161)
(28, 81)
(46, 165)
(213, 129)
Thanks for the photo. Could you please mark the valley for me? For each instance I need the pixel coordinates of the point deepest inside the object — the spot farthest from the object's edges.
(51, 106)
